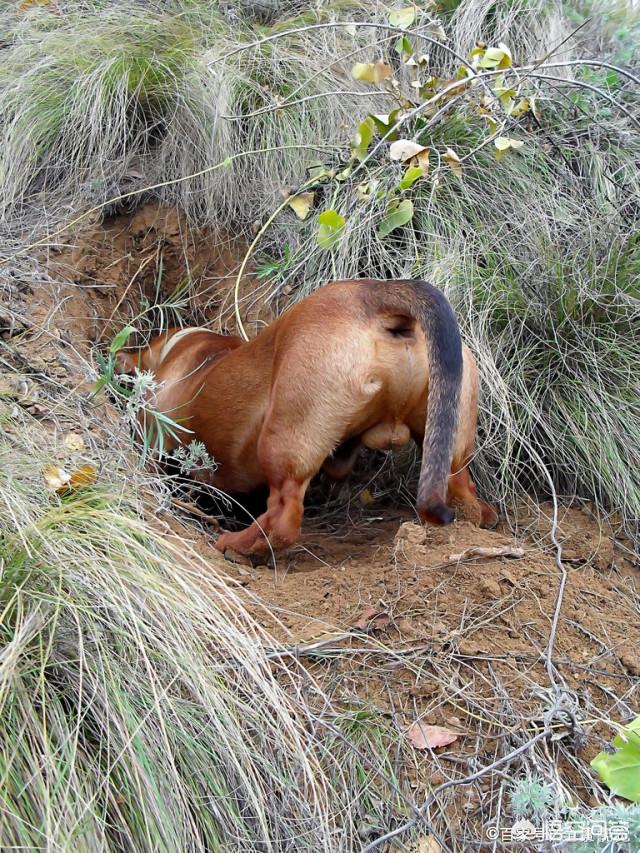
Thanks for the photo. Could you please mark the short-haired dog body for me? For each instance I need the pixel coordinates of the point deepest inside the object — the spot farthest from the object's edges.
(357, 363)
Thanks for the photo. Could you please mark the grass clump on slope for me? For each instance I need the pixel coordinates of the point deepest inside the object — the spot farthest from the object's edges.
(138, 709)
(101, 100)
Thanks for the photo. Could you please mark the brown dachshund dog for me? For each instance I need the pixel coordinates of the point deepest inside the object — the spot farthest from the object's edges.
(357, 363)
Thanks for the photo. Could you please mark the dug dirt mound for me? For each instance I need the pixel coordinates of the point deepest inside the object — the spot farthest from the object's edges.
(408, 623)
(422, 593)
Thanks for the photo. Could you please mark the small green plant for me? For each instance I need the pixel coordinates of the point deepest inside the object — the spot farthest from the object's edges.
(270, 267)
(134, 394)
(193, 457)
(361, 742)
(531, 798)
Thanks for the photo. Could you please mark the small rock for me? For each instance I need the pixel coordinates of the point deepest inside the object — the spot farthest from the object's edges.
(491, 587)
(405, 626)
(631, 662)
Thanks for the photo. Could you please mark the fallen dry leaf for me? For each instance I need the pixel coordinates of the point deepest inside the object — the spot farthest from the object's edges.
(371, 72)
(405, 150)
(423, 160)
(366, 498)
(84, 476)
(428, 844)
(73, 442)
(478, 551)
(372, 620)
(30, 4)
(301, 204)
(421, 736)
(55, 477)
(504, 144)
(60, 480)
(454, 161)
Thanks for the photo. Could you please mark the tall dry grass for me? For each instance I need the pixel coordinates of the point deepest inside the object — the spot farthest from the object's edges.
(139, 709)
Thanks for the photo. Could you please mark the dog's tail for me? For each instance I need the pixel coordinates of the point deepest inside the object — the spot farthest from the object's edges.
(430, 308)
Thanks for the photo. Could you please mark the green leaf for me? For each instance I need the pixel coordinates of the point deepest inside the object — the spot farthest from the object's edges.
(363, 138)
(620, 771)
(404, 48)
(523, 106)
(397, 214)
(121, 338)
(611, 79)
(318, 170)
(413, 174)
(403, 17)
(496, 57)
(366, 189)
(384, 123)
(330, 227)
(505, 95)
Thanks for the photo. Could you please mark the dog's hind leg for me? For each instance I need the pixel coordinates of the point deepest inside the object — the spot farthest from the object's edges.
(278, 527)
(462, 494)
(289, 461)
(294, 442)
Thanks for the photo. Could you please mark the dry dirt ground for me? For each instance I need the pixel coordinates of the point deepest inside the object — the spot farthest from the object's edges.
(381, 609)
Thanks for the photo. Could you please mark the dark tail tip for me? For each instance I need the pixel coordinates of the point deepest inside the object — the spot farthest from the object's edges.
(436, 513)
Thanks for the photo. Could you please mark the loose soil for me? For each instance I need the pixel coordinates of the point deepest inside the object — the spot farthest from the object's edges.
(393, 581)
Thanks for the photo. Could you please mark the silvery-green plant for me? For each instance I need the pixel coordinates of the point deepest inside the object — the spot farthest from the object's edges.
(531, 798)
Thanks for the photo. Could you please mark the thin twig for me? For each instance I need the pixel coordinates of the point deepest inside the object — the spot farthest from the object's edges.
(194, 510)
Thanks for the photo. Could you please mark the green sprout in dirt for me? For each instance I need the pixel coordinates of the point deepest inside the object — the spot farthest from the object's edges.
(193, 457)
